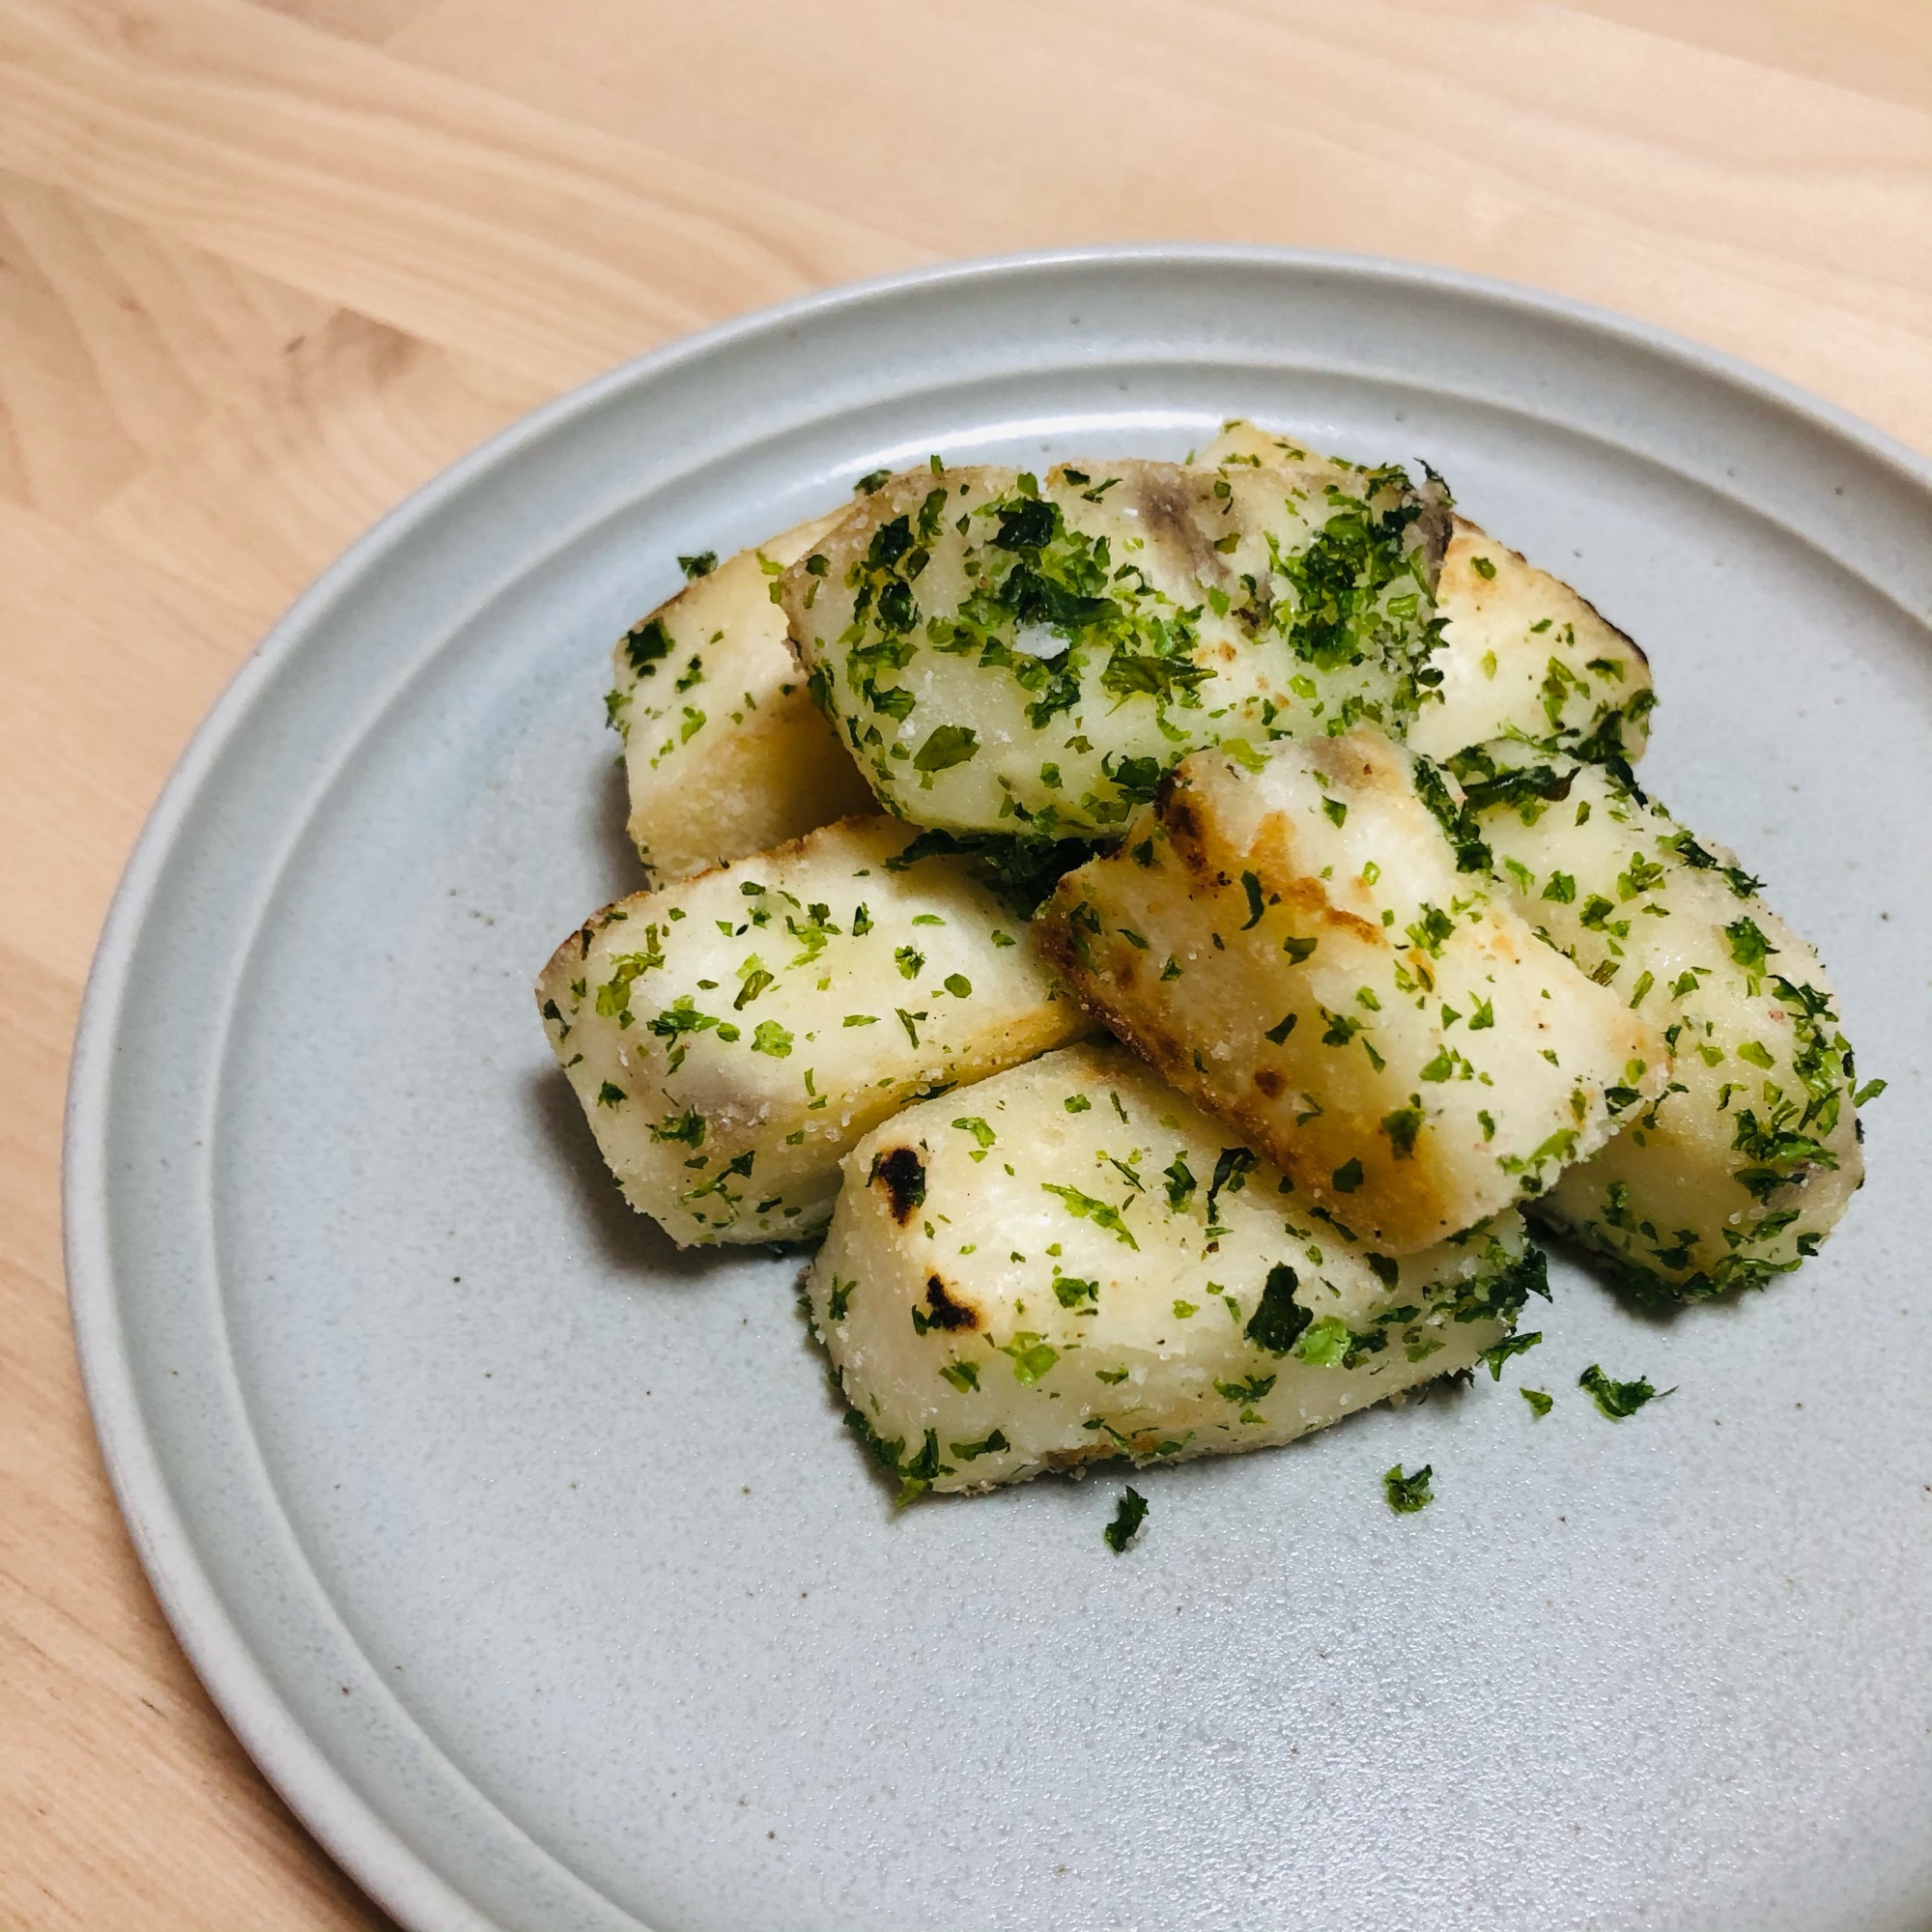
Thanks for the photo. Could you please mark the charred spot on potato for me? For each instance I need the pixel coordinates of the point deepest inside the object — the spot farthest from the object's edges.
(1436, 523)
(1270, 1082)
(942, 1311)
(903, 1175)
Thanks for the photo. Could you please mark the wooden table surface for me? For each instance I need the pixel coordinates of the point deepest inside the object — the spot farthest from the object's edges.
(264, 267)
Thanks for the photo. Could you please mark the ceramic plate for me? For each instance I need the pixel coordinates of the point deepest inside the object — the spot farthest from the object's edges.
(529, 1558)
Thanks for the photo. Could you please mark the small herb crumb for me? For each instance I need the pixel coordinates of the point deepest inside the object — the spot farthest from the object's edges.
(1408, 1494)
(1617, 1399)
(1127, 1521)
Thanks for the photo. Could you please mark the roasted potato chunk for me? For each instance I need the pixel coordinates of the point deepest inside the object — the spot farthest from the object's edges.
(724, 751)
(731, 1036)
(1069, 1263)
(1290, 941)
(1747, 1159)
(1522, 655)
(1010, 655)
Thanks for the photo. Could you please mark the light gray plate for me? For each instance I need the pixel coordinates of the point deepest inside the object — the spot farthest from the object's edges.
(531, 1560)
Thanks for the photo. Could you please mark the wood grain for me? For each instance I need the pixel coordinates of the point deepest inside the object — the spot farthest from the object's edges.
(265, 268)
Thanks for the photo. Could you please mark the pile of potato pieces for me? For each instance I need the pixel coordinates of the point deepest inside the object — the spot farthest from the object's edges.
(1315, 799)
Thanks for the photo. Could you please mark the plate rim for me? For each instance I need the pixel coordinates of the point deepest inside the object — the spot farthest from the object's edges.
(347, 1826)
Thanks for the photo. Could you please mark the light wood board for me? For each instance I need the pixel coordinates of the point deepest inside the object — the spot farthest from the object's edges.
(265, 268)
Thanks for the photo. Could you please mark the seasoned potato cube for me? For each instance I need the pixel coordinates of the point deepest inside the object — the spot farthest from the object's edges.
(731, 1036)
(1747, 1159)
(1005, 655)
(725, 750)
(1522, 655)
(1069, 1263)
(1289, 940)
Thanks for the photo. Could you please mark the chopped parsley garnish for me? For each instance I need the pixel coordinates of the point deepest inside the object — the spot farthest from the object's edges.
(1277, 1322)
(1406, 1495)
(947, 746)
(1251, 1390)
(771, 1038)
(1500, 1351)
(1617, 1399)
(1402, 1127)
(1097, 1212)
(1032, 1357)
(701, 565)
(1127, 1521)
(1232, 1168)
(1538, 1400)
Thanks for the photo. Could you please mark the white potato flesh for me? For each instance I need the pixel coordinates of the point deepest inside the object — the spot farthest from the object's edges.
(1007, 655)
(1290, 941)
(732, 1035)
(1751, 1154)
(1069, 1263)
(724, 751)
(1522, 655)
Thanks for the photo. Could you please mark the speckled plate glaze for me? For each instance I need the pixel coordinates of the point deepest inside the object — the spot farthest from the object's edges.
(529, 1559)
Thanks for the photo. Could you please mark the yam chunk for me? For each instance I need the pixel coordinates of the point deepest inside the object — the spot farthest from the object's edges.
(724, 749)
(732, 1035)
(1071, 1263)
(1751, 1155)
(1522, 656)
(1010, 655)
(1289, 940)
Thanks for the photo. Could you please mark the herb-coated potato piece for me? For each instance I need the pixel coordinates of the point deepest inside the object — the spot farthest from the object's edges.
(1747, 1158)
(1010, 655)
(725, 752)
(1290, 941)
(1071, 1263)
(732, 1035)
(1521, 654)
(1523, 657)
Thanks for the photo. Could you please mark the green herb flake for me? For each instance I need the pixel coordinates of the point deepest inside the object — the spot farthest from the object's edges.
(1406, 1495)
(1617, 1399)
(772, 1038)
(1498, 1353)
(1088, 1208)
(1326, 1343)
(1538, 1400)
(1127, 1521)
(947, 746)
(1032, 1357)
(1279, 1320)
